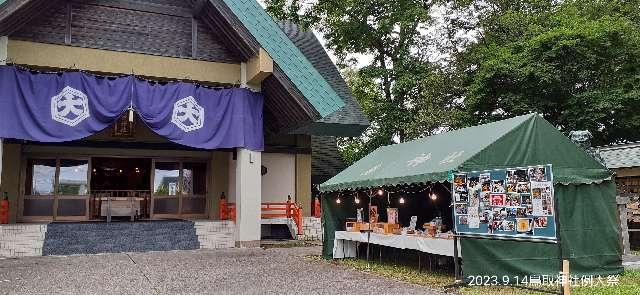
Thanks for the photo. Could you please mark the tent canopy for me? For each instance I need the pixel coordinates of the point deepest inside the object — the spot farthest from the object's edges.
(520, 141)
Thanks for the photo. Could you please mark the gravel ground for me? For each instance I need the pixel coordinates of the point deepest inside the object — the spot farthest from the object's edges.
(229, 271)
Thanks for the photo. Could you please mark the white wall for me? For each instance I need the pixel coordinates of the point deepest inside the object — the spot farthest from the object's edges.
(277, 184)
(280, 180)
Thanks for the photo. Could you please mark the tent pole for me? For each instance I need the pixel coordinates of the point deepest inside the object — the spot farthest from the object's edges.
(456, 256)
(559, 241)
(456, 259)
(369, 229)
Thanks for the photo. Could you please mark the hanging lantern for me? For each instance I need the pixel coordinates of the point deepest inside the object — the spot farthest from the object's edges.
(130, 114)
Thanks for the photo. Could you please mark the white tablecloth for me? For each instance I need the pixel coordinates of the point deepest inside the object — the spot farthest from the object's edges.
(345, 243)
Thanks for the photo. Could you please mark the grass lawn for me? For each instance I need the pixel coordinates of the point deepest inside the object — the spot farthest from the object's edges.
(629, 282)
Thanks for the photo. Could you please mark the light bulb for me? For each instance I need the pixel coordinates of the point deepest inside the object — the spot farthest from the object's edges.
(357, 201)
(338, 201)
(401, 200)
(380, 192)
(434, 197)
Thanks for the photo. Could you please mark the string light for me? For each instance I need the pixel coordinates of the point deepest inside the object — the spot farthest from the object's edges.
(401, 200)
(338, 200)
(405, 190)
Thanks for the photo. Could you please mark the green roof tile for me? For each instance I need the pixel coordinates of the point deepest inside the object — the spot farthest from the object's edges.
(288, 57)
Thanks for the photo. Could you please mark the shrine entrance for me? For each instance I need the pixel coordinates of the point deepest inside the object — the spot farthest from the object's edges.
(120, 189)
(112, 188)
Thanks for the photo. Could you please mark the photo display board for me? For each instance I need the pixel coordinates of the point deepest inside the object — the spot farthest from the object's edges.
(507, 203)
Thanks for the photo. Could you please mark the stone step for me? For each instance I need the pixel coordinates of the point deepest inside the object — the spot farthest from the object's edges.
(122, 240)
(116, 237)
(117, 233)
(64, 227)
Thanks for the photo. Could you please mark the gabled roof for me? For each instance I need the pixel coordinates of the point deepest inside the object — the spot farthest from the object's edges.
(248, 27)
(520, 141)
(621, 155)
(288, 57)
(348, 121)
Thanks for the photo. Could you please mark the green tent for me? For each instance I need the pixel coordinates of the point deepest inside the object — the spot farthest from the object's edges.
(584, 191)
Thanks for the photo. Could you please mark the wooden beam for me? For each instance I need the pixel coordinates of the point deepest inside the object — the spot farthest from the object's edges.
(116, 62)
(145, 6)
(627, 172)
(303, 182)
(624, 228)
(67, 31)
(259, 67)
(4, 40)
(194, 38)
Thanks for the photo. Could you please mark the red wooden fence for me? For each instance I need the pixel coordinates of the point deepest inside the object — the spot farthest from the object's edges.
(269, 210)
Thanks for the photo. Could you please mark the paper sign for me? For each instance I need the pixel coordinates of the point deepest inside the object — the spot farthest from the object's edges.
(537, 206)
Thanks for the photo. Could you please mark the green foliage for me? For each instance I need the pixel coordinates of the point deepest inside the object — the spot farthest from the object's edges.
(290, 10)
(577, 63)
(403, 94)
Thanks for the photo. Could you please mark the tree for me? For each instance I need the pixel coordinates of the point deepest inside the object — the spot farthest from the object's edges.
(575, 62)
(290, 10)
(403, 94)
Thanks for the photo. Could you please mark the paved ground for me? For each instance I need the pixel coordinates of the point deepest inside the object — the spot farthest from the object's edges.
(631, 262)
(230, 271)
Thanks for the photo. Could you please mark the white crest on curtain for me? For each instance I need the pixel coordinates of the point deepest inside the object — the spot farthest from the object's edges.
(70, 106)
(188, 115)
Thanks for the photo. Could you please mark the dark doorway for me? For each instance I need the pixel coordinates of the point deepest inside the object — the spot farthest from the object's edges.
(120, 188)
(120, 174)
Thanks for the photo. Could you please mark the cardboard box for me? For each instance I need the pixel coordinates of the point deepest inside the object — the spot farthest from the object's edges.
(386, 228)
(353, 226)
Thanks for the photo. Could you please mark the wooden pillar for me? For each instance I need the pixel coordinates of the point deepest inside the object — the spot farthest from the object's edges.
(219, 172)
(303, 182)
(622, 219)
(4, 40)
(11, 158)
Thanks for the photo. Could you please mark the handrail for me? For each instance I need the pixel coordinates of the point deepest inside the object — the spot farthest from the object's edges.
(289, 209)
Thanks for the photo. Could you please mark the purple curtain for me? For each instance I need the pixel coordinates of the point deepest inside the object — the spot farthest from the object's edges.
(201, 117)
(59, 107)
(73, 105)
